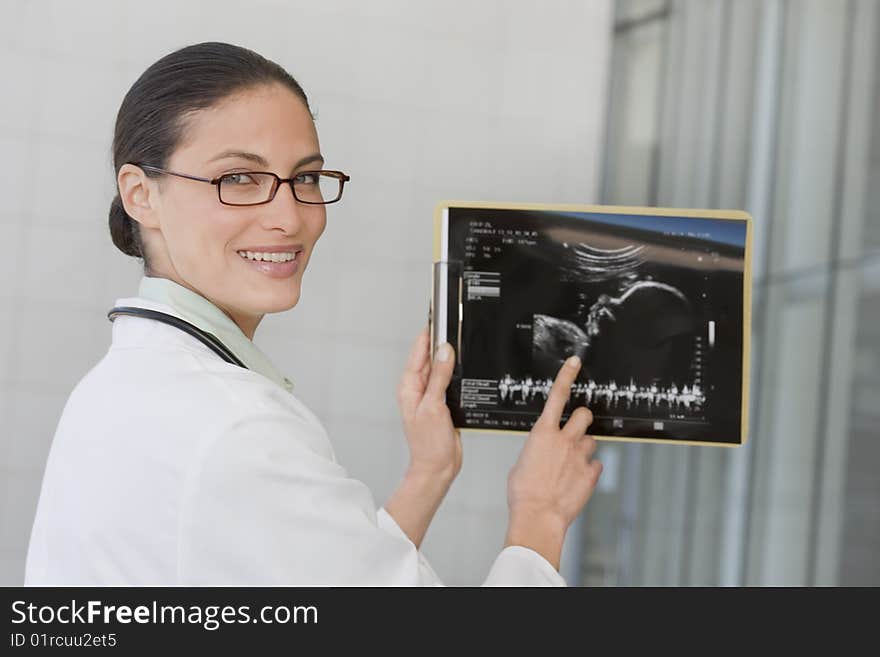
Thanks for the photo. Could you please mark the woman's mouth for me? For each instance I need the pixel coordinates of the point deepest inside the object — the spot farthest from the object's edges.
(281, 264)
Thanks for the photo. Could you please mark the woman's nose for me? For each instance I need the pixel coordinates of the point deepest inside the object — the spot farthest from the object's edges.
(284, 209)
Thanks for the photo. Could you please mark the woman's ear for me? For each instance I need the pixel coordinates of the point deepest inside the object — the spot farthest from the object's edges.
(138, 195)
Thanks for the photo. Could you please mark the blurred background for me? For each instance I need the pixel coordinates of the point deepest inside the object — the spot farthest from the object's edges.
(771, 106)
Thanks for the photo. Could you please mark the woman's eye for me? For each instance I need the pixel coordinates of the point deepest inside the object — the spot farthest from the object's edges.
(238, 179)
(306, 179)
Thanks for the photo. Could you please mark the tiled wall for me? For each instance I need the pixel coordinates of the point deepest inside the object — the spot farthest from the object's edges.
(418, 102)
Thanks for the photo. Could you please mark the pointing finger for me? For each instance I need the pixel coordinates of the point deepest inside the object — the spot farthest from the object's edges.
(560, 392)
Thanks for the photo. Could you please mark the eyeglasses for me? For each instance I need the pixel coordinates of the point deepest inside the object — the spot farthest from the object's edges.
(258, 187)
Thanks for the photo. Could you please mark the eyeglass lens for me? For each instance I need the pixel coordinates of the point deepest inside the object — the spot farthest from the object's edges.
(250, 188)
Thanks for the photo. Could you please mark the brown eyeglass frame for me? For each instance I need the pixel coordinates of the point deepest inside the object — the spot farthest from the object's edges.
(342, 177)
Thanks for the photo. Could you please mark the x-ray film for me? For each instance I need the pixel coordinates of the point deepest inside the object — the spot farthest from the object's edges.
(655, 301)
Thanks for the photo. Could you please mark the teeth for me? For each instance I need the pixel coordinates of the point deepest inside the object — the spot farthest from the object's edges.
(267, 257)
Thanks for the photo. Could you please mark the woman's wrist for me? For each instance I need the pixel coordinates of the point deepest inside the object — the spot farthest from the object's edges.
(417, 499)
(541, 532)
(431, 475)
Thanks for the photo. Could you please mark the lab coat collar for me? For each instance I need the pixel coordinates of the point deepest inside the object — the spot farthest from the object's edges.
(197, 310)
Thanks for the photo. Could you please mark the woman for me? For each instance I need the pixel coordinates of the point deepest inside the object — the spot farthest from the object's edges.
(171, 465)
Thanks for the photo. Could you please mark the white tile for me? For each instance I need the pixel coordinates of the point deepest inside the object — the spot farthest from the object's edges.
(318, 52)
(82, 30)
(13, 10)
(32, 418)
(539, 84)
(365, 378)
(463, 75)
(75, 94)
(122, 273)
(27, 17)
(415, 296)
(455, 153)
(63, 264)
(384, 139)
(10, 329)
(446, 544)
(479, 23)
(462, 543)
(6, 409)
(557, 25)
(21, 491)
(361, 447)
(76, 179)
(476, 22)
(528, 159)
(12, 237)
(333, 121)
(148, 35)
(8, 340)
(418, 229)
(368, 226)
(57, 349)
(20, 83)
(19, 183)
(306, 361)
(314, 314)
(486, 463)
(388, 63)
(369, 304)
(489, 529)
(12, 564)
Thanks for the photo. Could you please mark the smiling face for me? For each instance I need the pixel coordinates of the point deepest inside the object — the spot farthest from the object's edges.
(194, 240)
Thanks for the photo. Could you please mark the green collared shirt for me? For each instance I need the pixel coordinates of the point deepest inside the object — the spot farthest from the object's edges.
(197, 310)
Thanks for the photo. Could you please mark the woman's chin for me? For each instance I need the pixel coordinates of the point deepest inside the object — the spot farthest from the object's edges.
(282, 300)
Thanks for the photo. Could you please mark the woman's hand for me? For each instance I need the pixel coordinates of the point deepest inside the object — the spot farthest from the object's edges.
(434, 444)
(555, 474)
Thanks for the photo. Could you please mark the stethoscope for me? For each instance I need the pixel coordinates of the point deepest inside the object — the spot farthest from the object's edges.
(208, 339)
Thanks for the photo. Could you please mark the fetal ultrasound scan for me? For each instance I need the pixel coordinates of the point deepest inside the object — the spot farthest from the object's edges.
(654, 301)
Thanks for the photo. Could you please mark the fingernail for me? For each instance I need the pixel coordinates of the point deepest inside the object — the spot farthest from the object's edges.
(443, 352)
(573, 361)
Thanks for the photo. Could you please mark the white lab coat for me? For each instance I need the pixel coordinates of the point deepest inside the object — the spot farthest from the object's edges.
(170, 466)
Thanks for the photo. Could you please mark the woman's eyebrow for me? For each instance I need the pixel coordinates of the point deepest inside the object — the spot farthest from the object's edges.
(262, 161)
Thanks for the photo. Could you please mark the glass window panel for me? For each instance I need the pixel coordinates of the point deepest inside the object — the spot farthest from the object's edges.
(628, 10)
(634, 121)
(797, 504)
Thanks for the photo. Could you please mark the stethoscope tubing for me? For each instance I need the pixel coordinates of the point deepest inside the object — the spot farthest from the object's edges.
(208, 339)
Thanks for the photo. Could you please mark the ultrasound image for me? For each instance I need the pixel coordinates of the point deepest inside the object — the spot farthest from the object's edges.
(652, 305)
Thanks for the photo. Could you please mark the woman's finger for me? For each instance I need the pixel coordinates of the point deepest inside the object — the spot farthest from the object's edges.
(589, 444)
(441, 372)
(578, 422)
(596, 468)
(412, 382)
(418, 354)
(560, 393)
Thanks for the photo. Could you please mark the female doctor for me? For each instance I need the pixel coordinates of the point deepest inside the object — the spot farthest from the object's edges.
(174, 464)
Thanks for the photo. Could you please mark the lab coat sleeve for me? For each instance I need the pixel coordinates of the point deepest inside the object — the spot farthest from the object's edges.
(265, 504)
(427, 576)
(516, 565)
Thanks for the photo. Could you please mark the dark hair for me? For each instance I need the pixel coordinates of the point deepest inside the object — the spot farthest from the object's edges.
(151, 119)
